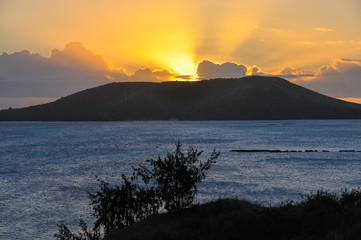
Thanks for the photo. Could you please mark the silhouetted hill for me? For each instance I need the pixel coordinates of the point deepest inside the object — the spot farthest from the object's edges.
(320, 216)
(252, 97)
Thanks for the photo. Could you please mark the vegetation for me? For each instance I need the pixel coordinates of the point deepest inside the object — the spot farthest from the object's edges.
(175, 177)
(319, 216)
(170, 183)
(122, 206)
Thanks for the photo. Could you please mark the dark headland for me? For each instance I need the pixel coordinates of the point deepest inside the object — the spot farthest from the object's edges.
(248, 98)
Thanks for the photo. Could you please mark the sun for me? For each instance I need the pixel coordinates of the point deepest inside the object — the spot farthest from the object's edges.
(179, 63)
(182, 64)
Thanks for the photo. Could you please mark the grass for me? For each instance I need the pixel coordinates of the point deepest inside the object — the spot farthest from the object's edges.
(320, 216)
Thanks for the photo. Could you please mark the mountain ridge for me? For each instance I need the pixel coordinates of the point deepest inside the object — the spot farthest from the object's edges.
(247, 98)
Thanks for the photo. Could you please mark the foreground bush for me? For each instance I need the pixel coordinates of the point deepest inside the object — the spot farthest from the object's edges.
(175, 177)
(170, 183)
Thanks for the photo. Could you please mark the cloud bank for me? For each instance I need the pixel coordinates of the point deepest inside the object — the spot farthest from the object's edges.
(147, 75)
(28, 75)
(341, 79)
(208, 70)
(28, 78)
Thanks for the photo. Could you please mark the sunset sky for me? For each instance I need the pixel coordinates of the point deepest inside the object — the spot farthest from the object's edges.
(54, 48)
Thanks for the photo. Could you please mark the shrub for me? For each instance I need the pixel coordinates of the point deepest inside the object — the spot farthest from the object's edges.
(121, 206)
(173, 185)
(175, 177)
(85, 234)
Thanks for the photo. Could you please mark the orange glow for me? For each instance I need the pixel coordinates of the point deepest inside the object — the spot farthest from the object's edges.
(354, 100)
(175, 35)
(335, 42)
(180, 63)
(323, 29)
(307, 43)
(186, 78)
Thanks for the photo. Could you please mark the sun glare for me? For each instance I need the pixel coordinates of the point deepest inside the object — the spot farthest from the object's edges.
(182, 64)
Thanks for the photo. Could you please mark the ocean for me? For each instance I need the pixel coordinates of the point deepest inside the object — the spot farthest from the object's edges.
(48, 168)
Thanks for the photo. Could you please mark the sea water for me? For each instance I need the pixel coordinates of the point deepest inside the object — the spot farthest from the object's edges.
(48, 168)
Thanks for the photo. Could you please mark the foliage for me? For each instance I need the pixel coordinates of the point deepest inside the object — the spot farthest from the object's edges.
(114, 208)
(321, 216)
(175, 177)
(85, 234)
(121, 206)
(173, 186)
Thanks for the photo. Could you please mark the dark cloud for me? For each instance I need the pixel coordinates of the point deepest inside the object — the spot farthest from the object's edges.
(288, 71)
(208, 70)
(147, 75)
(78, 59)
(76, 56)
(28, 78)
(26, 75)
(350, 60)
(291, 73)
(341, 79)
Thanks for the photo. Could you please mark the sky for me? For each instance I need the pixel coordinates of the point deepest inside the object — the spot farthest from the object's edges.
(50, 49)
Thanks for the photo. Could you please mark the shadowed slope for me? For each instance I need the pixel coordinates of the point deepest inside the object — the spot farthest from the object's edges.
(219, 99)
(320, 216)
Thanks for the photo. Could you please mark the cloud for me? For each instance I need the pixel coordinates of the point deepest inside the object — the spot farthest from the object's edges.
(76, 56)
(254, 71)
(335, 42)
(323, 29)
(207, 70)
(288, 71)
(28, 78)
(341, 79)
(78, 59)
(36, 79)
(351, 60)
(305, 42)
(291, 73)
(23, 101)
(147, 75)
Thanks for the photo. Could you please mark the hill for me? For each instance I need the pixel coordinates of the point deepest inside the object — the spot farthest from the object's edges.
(319, 216)
(247, 98)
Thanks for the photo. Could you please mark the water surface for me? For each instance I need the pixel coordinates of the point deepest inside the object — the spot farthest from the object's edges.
(46, 169)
